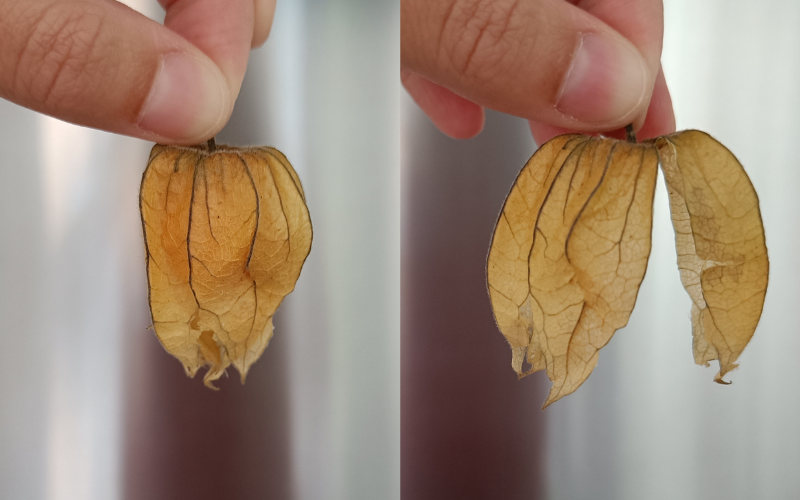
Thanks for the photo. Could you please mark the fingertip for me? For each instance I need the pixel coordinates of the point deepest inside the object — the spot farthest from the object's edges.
(464, 119)
(543, 132)
(606, 83)
(452, 114)
(660, 118)
(263, 14)
(469, 125)
(220, 29)
(189, 100)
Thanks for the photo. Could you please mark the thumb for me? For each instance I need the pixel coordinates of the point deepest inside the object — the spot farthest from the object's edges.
(543, 60)
(100, 64)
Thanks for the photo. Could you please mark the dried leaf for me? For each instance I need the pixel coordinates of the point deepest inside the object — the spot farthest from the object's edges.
(570, 250)
(227, 232)
(719, 236)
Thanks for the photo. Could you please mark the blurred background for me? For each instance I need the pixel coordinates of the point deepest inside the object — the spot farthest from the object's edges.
(649, 423)
(94, 408)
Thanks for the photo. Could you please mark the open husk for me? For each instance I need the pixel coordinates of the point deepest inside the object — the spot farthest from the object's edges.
(571, 245)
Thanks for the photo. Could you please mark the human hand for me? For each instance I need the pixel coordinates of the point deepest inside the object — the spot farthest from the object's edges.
(100, 64)
(565, 65)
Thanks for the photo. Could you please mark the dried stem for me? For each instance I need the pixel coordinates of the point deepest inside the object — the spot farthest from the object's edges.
(630, 133)
(212, 145)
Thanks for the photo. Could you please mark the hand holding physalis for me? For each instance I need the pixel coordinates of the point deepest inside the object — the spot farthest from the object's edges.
(564, 65)
(100, 64)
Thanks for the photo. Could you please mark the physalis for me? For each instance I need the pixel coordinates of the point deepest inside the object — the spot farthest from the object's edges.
(571, 245)
(226, 232)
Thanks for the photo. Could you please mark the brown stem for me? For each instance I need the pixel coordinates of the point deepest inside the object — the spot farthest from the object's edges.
(212, 145)
(630, 133)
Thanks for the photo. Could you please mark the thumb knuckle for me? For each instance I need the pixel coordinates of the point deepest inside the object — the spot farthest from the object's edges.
(478, 36)
(60, 56)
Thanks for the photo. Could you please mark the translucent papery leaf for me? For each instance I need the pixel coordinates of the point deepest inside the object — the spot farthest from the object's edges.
(226, 233)
(719, 236)
(507, 265)
(569, 252)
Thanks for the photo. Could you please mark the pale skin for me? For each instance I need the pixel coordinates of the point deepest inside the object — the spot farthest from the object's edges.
(565, 65)
(100, 64)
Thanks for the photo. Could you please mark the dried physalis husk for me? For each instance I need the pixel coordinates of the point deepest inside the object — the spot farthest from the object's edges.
(226, 233)
(719, 236)
(571, 245)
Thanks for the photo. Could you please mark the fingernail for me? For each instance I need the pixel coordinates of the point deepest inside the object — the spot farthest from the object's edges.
(188, 99)
(606, 83)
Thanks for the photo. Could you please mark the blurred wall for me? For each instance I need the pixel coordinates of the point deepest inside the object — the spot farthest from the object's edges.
(470, 429)
(93, 408)
(71, 287)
